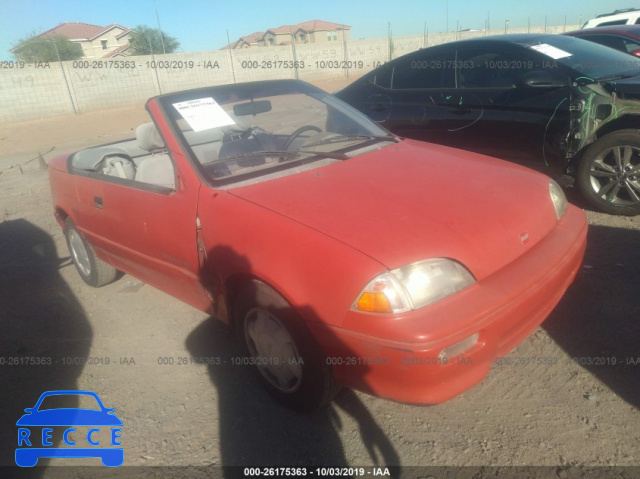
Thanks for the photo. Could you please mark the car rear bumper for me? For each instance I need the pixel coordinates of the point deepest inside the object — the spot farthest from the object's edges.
(502, 310)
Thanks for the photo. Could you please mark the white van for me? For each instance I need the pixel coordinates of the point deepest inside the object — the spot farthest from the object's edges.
(626, 16)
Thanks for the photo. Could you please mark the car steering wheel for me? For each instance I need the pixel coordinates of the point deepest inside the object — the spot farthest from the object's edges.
(298, 132)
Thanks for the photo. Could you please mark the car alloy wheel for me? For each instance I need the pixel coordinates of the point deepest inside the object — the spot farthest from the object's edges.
(609, 174)
(614, 175)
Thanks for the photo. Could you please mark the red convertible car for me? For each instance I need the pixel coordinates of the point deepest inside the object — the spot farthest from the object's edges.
(340, 253)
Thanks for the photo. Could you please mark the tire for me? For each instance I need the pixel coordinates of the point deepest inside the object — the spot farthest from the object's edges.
(92, 269)
(287, 360)
(609, 173)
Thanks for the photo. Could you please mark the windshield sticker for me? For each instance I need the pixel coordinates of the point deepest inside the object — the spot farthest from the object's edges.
(203, 114)
(551, 51)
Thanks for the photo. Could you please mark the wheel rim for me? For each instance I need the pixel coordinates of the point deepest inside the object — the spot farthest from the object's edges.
(273, 350)
(79, 253)
(614, 175)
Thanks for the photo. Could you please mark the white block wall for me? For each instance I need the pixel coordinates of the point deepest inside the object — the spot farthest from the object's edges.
(33, 92)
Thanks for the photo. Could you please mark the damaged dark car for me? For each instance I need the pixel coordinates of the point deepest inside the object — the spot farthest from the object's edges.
(561, 105)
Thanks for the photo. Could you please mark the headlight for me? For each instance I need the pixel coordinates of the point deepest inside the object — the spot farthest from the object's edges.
(413, 286)
(558, 198)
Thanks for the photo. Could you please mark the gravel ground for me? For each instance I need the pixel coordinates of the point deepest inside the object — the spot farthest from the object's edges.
(565, 400)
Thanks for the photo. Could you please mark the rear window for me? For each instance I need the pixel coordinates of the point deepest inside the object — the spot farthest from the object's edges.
(613, 22)
(587, 58)
(623, 44)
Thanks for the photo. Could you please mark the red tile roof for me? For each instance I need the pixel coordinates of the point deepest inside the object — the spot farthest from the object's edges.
(310, 26)
(118, 51)
(321, 25)
(80, 31)
(253, 38)
(283, 29)
(307, 27)
(230, 45)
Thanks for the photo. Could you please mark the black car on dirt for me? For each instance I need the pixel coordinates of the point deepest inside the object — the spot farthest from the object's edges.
(559, 104)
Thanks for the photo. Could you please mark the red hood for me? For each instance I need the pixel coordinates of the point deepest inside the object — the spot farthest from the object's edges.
(413, 201)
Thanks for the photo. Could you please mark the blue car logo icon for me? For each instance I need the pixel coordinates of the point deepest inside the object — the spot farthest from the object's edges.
(36, 428)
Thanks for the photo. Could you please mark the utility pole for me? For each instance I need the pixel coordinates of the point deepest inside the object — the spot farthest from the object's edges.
(233, 72)
(424, 34)
(447, 7)
(160, 28)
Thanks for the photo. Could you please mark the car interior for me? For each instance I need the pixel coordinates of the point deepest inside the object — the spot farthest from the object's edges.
(144, 159)
(248, 137)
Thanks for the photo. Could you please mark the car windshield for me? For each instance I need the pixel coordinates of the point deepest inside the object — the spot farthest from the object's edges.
(248, 131)
(593, 61)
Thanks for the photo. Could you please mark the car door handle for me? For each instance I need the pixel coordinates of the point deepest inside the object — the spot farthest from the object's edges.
(378, 107)
(97, 202)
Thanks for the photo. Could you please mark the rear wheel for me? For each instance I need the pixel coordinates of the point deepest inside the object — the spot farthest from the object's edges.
(277, 343)
(609, 173)
(92, 269)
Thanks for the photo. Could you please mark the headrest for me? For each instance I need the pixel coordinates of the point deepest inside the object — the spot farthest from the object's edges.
(148, 137)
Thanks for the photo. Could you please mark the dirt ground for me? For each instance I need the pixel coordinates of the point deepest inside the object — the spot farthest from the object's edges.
(565, 400)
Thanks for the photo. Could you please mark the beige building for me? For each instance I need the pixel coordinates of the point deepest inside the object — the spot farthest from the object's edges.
(96, 41)
(313, 31)
(318, 31)
(252, 40)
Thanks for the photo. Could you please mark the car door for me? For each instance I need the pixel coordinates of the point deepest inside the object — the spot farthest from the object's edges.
(520, 102)
(409, 95)
(148, 230)
(423, 96)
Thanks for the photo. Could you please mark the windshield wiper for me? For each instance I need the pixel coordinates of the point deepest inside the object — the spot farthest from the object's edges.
(255, 154)
(342, 138)
(282, 155)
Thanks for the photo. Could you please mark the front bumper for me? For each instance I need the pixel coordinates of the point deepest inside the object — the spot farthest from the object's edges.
(503, 309)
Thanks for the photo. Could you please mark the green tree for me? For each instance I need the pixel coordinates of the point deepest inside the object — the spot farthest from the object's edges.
(46, 49)
(146, 41)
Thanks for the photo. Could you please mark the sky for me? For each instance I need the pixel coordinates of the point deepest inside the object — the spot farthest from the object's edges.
(203, 24)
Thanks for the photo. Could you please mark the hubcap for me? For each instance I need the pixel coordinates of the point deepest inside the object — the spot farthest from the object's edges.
(273, 350)
(79, 253)
(614, 175)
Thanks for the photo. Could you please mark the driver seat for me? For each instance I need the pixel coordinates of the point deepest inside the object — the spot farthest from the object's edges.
(157, 169)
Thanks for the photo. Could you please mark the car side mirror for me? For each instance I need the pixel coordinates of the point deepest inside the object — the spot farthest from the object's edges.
(542, 79)
(29, 410)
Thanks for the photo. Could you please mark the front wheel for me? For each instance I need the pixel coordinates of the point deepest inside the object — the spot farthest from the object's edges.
(609, 173)
(92, 269)
(276, 341)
